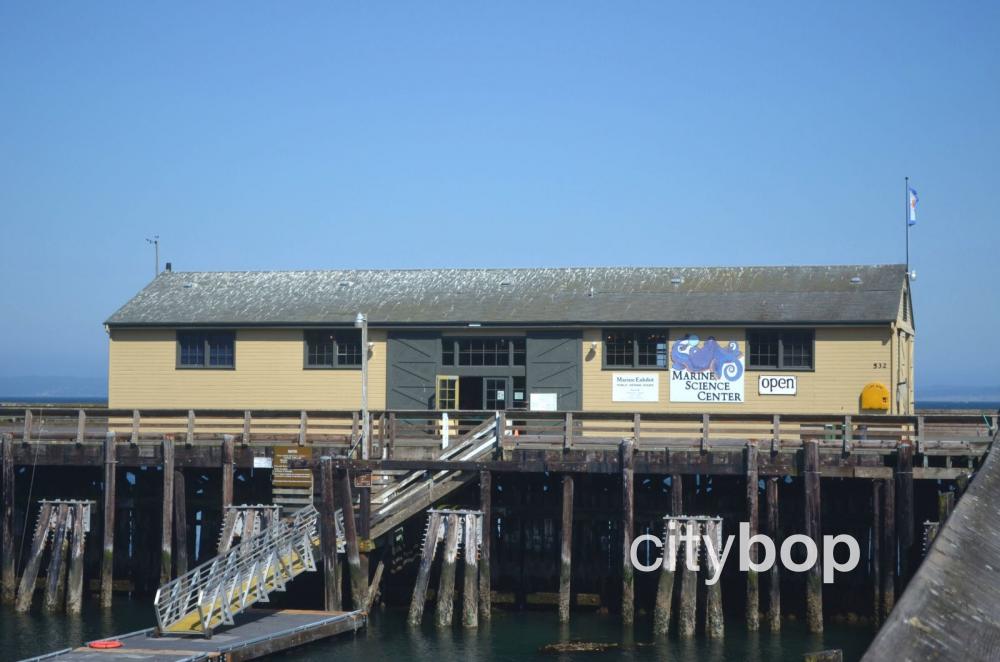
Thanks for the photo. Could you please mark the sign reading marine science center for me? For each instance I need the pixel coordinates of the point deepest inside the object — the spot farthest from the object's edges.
(706, 371)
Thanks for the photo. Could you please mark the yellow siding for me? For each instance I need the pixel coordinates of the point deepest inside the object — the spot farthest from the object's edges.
(269, 374)
(846, 359)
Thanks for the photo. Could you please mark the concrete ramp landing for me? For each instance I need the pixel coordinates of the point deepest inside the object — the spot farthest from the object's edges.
(951, 607)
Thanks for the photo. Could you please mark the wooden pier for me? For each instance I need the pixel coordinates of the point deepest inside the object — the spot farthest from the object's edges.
(546, 483)
(257, 633)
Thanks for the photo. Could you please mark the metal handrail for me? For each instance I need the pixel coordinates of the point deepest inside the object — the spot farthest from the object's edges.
(224, 586)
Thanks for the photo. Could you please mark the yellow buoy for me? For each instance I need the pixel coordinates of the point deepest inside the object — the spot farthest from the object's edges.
(875, 396)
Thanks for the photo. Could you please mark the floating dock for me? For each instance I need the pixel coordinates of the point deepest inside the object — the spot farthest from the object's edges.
(258, 632)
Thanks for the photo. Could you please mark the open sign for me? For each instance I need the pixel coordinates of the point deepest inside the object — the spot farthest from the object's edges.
(777, 384)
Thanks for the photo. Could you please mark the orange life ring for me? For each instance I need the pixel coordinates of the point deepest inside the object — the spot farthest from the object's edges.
(105, 643)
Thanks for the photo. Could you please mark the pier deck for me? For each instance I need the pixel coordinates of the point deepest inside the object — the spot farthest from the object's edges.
(257, 633)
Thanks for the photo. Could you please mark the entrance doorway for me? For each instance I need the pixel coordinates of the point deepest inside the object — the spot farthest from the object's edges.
(477, 393)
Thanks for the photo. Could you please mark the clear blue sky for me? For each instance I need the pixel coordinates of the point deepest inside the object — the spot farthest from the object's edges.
(312, 135)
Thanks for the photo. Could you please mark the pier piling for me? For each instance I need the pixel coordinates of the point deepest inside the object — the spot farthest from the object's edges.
(227, 471)
(470, 574)
(566, 549)
(485, 585)
(888, 548)
(814, 576)
(108, 557)
(74, 587)
(665, 586)
(55, 579)
(419, 598)
(628, 526)
(446, 583)
(26, 589)
(753, 599)
(8, 575)
(714, 624)
(328, 534)
(359, 582)
(167, 520)
(180, 524)
(688, 609)
(774, 582)
(876, 556)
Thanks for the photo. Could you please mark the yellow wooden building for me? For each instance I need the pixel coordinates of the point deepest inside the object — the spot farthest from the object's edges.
(829, 339)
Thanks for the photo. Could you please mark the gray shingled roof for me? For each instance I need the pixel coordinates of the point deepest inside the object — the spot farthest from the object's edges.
(513, 296)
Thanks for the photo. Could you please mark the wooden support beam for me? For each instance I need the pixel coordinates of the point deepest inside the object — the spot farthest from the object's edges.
(567, 431)
(359, 582)
(847, 437)
(904, 509)
(189, 433)
(876, 557)
(714, 623)
(566, 548)
(180, 524)
(56, 577)
(74, 585)
(419, 598)
(665, 587)
(486, 505)
(813, 529)
(246, 427)
(628, 527)
(390, 448)
(134, 438)
(704, 433)
(328, 537)
(26, 590)
(108, 557)
(888, 547)
(303, 427)
(81, 426)
(470, 573)
(688, 608)
(774, 583)
(167, 516)
(26, 435)
(775, 434)
(446, 583)
(373, 588)
(227, 471)
(753, 598)
(7, 573)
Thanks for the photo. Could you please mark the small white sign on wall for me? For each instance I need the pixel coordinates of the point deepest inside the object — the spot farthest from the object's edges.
(777, 385)
(635, 387)
(544, 402)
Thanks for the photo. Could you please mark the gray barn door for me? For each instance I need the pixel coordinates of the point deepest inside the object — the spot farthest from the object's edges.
(413, 358)
(554, 366)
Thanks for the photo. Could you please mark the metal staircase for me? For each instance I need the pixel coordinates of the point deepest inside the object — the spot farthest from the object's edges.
(213, 593)
(415, 491)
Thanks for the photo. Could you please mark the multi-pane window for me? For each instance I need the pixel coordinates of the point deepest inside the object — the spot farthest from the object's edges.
(333, 349)
(447, 392)
(206, 349)
(482, 351)
(780, 350)
(639, 348)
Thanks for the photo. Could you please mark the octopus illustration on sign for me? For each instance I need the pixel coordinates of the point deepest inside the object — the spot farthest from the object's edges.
(706, 371)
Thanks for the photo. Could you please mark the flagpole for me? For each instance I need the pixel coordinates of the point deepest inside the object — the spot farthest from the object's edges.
(906, 219)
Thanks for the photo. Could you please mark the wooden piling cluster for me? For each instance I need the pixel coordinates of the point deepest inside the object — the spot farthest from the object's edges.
(65, 524)
(453, 527)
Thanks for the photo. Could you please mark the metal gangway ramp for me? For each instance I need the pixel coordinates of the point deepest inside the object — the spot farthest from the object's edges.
(213, 593)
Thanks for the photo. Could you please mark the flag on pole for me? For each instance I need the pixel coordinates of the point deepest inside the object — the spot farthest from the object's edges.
(912, 218)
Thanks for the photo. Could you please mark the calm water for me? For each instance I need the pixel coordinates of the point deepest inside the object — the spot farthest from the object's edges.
(511, 636)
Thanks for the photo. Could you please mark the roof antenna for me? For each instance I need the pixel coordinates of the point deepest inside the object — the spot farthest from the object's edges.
(156, 249)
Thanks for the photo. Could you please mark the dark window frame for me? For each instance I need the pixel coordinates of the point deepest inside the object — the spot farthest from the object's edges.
(516, 347)
(780, 362)
(635, 365)
(206, 337)
(335, 352)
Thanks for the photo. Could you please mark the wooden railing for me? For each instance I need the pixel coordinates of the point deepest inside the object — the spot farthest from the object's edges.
(340, 431)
